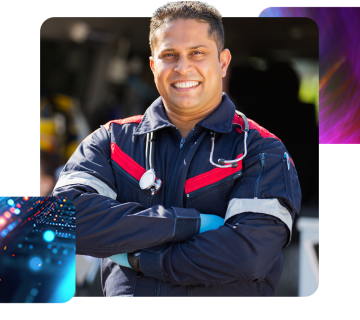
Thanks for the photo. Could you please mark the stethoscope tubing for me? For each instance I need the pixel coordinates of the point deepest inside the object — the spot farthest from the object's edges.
(231, 163)
(150, 148)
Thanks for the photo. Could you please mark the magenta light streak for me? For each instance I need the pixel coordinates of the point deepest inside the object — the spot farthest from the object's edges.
(339, 46)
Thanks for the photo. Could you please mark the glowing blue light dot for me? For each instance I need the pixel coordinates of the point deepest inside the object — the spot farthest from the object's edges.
(31, 247)
(54, 251)
(35, 263)
(4, 233)
(17, 211)
(49, 246)
(10, 202)
(59, 262)
(34, 292)
(19, 245)
(49, 236)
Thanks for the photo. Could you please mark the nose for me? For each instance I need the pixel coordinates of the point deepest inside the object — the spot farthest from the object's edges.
(183, 66)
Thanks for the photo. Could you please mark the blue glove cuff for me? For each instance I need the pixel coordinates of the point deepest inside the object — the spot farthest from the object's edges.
(210, 222)
(121, 259)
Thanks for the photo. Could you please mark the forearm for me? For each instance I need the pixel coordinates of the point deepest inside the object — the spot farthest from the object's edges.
(106, 227)
(242, 252)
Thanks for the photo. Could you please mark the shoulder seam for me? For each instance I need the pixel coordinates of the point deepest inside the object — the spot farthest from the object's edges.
(255, 126)
(133, 119)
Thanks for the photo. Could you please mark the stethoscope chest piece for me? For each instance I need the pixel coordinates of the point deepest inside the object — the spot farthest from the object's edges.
(149, 181)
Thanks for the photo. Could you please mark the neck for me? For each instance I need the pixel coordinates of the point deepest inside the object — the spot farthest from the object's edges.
(185, 123)
(182, 124)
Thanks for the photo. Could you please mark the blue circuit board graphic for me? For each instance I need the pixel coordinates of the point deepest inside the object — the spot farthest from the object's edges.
(37, 249)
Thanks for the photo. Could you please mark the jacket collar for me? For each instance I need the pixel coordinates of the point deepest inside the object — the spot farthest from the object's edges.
(219, 121)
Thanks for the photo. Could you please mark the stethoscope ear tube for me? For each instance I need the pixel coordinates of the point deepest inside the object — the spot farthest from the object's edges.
(152, 148)
(231, 163)
(147, 151)
(243, 117)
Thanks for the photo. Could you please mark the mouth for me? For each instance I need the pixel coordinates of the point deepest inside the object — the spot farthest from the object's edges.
(185, 85)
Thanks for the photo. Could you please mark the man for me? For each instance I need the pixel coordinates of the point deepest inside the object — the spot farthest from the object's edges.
(156, 231)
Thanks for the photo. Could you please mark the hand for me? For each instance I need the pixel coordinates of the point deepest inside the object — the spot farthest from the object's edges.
(121, 259)
(210, 222)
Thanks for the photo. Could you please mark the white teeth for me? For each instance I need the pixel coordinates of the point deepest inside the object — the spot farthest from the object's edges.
(187, 84)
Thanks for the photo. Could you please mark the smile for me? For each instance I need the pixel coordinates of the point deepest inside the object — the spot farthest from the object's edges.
(185, 84)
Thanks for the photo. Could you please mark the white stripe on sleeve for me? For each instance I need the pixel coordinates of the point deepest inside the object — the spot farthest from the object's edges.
(88, 180)
(266, 206)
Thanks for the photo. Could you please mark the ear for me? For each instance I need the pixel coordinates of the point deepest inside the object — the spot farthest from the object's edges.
(225, 58)
(152, 64)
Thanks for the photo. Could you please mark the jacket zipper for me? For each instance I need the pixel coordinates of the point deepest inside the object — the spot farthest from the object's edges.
(258, 179)
(232, 177)
(182, 142)
(130, 177)
(167, 204)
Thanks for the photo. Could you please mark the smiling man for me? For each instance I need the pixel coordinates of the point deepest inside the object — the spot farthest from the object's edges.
(172, 220)
(188, 66)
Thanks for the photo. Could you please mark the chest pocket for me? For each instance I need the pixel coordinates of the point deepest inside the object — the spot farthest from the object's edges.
(210, 198)
(128, 188)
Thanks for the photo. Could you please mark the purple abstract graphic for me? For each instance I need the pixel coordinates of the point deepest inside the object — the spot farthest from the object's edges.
(339, 70)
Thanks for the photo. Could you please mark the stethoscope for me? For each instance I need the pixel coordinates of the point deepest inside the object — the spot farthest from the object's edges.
(149, 181)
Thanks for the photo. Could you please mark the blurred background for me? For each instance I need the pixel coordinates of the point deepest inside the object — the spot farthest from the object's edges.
(97, 69)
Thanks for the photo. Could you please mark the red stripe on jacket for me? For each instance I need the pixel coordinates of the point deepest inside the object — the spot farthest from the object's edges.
(195, 183)
(126, 162)
(210, 177)
(291, 160)
(253, 125)
(218, 174)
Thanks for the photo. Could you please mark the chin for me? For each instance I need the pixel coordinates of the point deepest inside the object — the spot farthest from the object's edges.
(187, 104)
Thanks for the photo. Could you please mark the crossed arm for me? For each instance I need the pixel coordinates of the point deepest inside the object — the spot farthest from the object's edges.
(174, 246)
(243, 248)
(207, 222)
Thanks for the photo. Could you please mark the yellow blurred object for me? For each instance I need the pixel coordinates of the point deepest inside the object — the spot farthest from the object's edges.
(309, 92)
(47, 135)
(54, 126)
(63, 102)
(62, 125)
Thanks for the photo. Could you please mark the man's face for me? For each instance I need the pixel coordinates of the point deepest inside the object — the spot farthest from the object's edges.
(187, 70)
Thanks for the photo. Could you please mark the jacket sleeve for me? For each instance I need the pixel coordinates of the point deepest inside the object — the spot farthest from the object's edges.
(257, 226)
(104, 226)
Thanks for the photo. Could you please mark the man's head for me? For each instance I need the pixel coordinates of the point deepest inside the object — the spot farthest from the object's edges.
(195, 10)
(188, 60)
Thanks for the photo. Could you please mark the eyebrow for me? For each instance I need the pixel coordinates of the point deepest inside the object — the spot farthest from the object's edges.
(189, 48)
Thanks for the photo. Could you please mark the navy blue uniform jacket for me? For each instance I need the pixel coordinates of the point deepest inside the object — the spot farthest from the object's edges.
(258, 201)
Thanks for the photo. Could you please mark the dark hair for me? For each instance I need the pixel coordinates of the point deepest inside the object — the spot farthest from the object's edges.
(195, 10)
